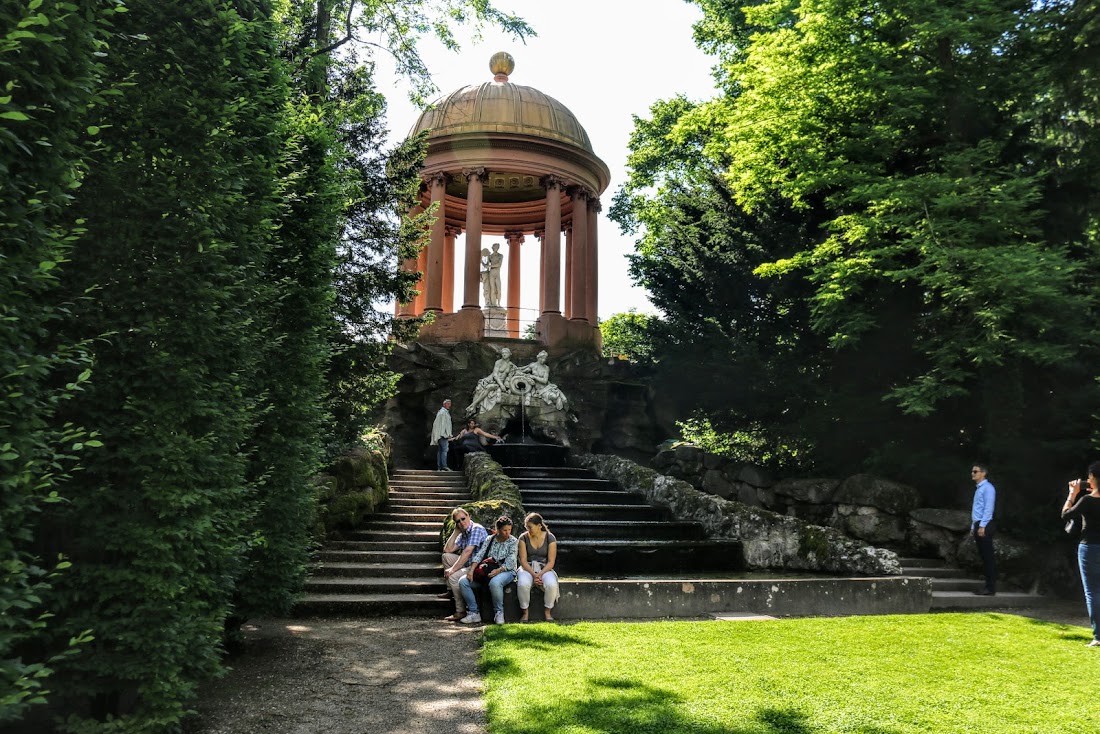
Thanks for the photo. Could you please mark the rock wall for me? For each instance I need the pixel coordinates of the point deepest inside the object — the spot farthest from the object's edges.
(769, 540)
(870, 509)
(355, 486)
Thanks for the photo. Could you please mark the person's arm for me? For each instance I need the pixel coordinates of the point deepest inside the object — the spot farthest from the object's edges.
(452, 542)
(523, 557)
(479, 556)
(1072, 508)
(990, 502)
(551, 559)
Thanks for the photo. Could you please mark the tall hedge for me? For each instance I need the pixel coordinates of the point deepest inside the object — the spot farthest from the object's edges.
(181, 206)
(50, 75)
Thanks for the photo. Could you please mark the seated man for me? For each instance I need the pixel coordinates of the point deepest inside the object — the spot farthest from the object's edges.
(459, 548)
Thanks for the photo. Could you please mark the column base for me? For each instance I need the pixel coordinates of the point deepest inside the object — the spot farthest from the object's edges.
(467, 325)
(554, 330)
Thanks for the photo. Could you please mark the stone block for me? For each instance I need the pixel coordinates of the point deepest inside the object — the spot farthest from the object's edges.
(755, 475)
(876, 527)
(956, 520)
(716, 483)
(867, 489)
(816, 491)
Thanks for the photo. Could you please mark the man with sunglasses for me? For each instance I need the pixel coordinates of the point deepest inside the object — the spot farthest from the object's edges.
(457, 551)
(981, 516)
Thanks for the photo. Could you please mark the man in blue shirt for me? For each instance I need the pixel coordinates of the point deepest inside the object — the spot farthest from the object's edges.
(981, 516)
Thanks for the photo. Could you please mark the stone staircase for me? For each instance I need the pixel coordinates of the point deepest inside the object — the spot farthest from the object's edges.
(953, 589)
(390, 565)
(603, 530)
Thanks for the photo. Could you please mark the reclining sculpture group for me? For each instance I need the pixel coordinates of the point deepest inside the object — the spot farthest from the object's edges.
(530, 382)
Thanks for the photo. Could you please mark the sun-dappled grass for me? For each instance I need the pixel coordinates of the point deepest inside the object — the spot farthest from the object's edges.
(938, 673)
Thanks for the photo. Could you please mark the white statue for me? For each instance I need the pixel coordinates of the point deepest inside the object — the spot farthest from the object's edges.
(489, 389)
(543, 389)
(490, 276)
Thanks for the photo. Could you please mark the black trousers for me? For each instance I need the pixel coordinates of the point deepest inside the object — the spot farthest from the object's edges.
(989, 558)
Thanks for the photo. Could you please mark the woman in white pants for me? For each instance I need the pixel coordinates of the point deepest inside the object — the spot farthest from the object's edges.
(538, 552)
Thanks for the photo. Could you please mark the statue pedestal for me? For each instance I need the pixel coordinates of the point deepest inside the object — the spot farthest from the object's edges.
(496, 322)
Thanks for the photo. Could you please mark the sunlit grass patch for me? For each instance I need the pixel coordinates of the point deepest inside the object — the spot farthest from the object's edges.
(871, 675)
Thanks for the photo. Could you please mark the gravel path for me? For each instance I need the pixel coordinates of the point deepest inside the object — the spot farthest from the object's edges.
(361, 676)
(395, 675)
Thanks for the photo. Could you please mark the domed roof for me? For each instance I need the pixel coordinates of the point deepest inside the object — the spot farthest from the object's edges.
(502, 107)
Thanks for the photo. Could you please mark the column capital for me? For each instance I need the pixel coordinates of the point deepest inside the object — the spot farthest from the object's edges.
(540, 234)
(452, 231)
(594, 204)
(481, 174)
(438, 178)
(514, 236)
(551, 182)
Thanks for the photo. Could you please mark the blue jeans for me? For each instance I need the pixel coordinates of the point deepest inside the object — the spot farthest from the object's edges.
(441, 458)
(496, 591)
(1088, 556)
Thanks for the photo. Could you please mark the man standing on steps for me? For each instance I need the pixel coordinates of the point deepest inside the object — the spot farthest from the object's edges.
(441, 435)
(467, 538)
(981, 516)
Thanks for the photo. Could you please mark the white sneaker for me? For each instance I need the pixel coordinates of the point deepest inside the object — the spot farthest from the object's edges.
(471, 618)
(498, 618)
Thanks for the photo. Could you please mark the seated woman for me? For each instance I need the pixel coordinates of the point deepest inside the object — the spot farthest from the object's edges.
(504, 548)
(469, 440)
(538, 552)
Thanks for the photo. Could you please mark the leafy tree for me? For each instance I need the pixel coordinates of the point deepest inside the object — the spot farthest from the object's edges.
(889, 186)
(628, 335)
(49, 61)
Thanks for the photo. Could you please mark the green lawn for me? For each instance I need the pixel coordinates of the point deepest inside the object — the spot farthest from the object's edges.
(964, 673)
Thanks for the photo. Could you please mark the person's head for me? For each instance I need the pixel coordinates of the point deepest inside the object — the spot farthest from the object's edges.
(471, 424)
(1094, 474)
(505, 353)
(496, 246)
(978, 471)
(534, 522)
(504, 527)
(541, 357)
(447, 403)
(462, 518)
(485, 252)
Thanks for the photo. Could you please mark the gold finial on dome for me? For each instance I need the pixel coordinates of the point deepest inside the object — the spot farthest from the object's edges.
(501, 64)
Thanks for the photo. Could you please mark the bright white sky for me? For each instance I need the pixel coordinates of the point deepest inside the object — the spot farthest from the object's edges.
(605, 60)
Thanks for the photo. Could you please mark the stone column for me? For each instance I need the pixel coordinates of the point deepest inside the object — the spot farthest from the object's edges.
(471, 273)
(579, 283)
(422, 284)
(568, 271)
(540, 235)
(407, 310)
(515, 239)
(434, 299)
(449, 268)
(592, 300)
(551, 243)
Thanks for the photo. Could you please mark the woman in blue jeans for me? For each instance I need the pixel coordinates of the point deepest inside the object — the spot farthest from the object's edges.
(504, 547)
(1086, 507)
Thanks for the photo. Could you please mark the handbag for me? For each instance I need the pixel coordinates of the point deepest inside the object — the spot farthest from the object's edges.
(1073, 526)
(483, 569)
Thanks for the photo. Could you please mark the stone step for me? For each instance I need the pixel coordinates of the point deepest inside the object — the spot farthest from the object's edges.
(580, 496)
(921, 562)
(395, 536)
(414, 546)
(554, 513)
(566, 484)
(372, 605)
(408, 517)
(451, 498)
(403, 526)
(617, 557)
(352, 555)
(374, 585)
(548, 472)
(934, 573)
(387, 570)
(957, 585)
(967, 600)
(430, 484)
(418, 506)
(625, 529)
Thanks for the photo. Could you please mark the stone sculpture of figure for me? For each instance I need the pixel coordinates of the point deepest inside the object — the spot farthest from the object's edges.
(486, 289)
(543, 389)
(496, 260)
(489, 389)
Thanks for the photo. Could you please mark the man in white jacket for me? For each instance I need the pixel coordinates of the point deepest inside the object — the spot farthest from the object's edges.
(441, 435)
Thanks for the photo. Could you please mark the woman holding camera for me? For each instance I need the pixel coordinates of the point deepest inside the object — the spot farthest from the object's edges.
(1084, 506)
(538, 552)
